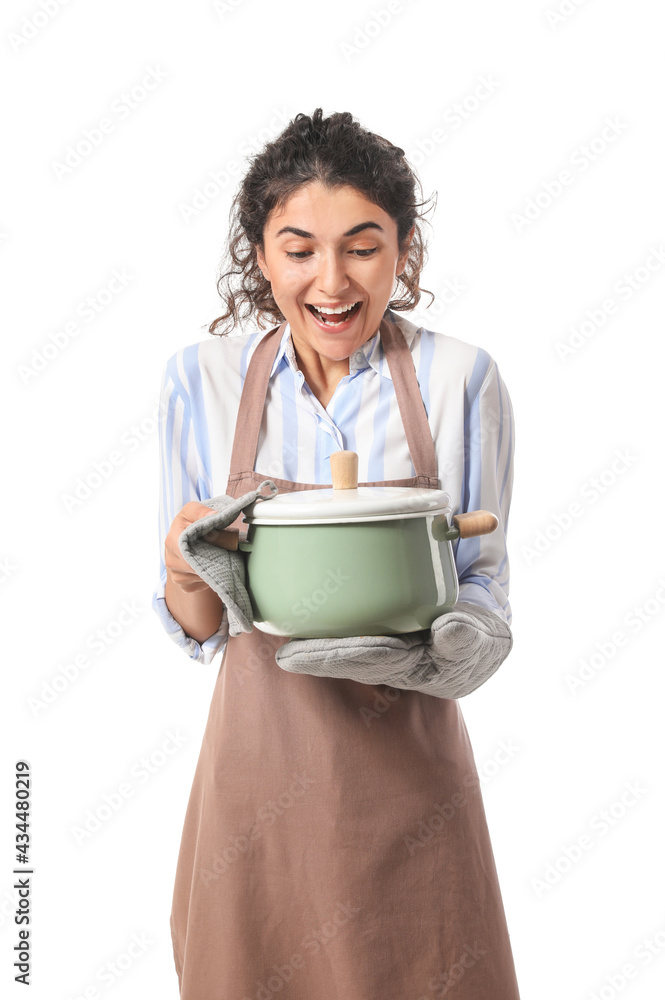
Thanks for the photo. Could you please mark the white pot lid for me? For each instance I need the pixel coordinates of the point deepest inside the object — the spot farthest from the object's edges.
(364, 502)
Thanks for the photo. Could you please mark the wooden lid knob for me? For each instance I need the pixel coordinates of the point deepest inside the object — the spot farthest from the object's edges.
(344, 469)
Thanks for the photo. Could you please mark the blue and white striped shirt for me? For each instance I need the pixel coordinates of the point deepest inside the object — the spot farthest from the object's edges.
(468, 410)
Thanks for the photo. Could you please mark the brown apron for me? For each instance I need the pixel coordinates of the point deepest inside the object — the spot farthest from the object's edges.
(335, 845)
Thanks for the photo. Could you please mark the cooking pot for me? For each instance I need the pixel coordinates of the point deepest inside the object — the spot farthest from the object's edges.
(346, 561)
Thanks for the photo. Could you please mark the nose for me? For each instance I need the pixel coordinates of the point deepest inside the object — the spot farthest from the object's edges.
(332, 278)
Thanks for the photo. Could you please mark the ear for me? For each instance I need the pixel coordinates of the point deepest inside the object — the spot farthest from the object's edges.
(262, 263)
(402, 259)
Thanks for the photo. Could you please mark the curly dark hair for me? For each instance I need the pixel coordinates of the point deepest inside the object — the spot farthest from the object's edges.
(337, 151)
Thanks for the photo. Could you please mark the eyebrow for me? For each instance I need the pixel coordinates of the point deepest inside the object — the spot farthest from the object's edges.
(310, 236)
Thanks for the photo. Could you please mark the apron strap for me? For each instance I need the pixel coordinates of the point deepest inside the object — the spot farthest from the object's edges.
(253, 401)
(409, 400)
(407, 392)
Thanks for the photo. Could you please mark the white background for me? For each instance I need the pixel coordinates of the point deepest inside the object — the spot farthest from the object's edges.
(576, 580)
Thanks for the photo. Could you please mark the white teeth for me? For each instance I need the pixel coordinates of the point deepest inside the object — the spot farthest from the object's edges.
(332, 312)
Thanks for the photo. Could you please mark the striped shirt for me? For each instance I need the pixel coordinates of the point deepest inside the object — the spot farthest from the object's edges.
(468, 410)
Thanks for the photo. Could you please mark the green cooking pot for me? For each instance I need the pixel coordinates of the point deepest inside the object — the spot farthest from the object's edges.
(353, 560)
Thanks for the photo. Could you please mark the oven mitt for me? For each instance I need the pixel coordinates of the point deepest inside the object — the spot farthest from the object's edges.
(370, 659)
(222, 570)
(462, 650)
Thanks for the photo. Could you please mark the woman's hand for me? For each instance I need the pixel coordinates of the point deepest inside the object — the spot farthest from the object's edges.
(180, 572)
(191, 601)
(208, 546)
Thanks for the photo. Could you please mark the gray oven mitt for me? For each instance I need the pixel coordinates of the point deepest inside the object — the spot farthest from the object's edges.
(221, 569)
(460, 652)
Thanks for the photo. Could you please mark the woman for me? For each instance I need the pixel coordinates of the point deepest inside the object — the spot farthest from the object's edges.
(335, 841)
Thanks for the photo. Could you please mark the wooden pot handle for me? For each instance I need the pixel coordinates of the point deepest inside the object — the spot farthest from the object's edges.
(344, 470)
(475, 522)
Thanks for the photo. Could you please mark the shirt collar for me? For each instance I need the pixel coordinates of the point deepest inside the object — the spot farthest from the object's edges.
(369, 355)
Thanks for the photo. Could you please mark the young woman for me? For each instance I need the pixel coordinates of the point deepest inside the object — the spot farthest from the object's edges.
(335, 842)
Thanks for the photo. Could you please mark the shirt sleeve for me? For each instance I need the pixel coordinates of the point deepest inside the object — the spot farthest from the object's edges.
(180, 480)
(482, 563)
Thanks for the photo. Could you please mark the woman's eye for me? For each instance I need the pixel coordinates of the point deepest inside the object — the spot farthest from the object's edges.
(302, 254)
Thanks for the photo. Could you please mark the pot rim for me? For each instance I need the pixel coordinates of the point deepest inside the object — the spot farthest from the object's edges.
(364, 503)
(369, 519)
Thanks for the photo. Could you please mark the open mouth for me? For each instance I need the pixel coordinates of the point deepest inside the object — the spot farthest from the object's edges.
(335, 318)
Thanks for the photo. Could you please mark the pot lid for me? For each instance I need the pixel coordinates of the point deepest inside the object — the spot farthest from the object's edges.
(332, 505)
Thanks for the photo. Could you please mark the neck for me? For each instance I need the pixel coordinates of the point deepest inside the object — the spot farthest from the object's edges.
(321, 374)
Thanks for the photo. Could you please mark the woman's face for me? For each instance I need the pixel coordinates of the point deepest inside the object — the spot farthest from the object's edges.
(331, 248)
